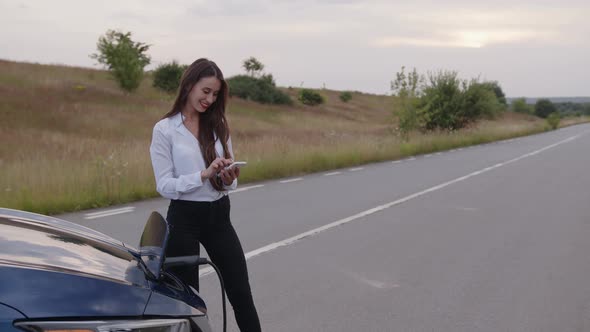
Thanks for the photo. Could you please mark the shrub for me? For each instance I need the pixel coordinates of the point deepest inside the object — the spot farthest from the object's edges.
(167, 76)
(440, 105)
(310, 97)
(495, 87)
(450, 103)
(480, 100)
(345, 96)
(544, 107)
(123, 57)
(553, 120)
(443, 101)
(520, 106)
(262, 90)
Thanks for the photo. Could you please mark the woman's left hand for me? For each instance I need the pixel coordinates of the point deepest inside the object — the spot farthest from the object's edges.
(229, 175)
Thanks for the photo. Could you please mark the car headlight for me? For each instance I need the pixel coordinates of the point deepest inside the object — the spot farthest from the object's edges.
(153, 325)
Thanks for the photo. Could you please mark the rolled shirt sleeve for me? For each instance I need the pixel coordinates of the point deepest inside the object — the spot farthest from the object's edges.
(234, 184)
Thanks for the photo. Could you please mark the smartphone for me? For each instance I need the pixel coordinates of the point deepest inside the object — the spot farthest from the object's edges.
(236, 164)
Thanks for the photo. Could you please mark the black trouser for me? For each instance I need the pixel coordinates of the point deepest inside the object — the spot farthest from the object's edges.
(209, 223)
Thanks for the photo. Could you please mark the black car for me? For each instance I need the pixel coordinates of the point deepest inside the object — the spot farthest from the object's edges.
(60, 276)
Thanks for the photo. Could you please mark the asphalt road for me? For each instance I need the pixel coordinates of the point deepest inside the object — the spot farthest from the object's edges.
(494, 237)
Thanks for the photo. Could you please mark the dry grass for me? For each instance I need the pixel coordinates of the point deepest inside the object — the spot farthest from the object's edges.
(72, 140)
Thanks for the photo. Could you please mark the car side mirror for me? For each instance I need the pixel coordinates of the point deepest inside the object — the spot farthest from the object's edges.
(152, 245)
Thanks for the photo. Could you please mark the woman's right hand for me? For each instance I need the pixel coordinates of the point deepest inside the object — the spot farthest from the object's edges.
(216, 165)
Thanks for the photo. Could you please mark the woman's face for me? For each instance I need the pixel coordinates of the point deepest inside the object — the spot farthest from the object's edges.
(204, 93)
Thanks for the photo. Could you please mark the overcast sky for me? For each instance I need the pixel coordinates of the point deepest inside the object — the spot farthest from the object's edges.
(532, 48)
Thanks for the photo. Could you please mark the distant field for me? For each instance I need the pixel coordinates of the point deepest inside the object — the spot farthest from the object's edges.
(576, 100)
(72, 140)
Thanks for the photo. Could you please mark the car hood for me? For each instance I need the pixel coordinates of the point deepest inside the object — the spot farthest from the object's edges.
(58, 224)
(30, 240)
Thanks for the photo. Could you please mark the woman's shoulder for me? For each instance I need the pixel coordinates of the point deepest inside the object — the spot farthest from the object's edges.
(166, 124)
(163, 123)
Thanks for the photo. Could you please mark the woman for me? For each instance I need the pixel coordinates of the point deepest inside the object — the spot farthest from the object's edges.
(190, 147)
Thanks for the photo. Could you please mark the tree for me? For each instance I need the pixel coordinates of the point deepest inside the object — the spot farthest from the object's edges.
(253, 66)
(407, 88)
(544, 107)
(123, 57)
(519, 105)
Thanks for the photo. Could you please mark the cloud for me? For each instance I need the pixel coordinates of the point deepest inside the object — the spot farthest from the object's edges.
(469, 28)
(460, 38)
(228, 8)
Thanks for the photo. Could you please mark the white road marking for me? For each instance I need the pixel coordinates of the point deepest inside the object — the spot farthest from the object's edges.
(465, 209)
(291, 180)
(413, 158)
(332, 173)
(107, 213)
(365, 213)
(356, 169)
(376, 283)
(396, 161)
(439, 153)
(245, 188)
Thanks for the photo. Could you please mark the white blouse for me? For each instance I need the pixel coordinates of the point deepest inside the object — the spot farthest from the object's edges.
(177, 161)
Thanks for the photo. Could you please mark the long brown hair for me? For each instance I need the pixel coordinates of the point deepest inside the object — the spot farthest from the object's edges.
(212, 122)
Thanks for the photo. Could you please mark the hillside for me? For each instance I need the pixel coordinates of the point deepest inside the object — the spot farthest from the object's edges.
(70, 133)
(73, 140)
